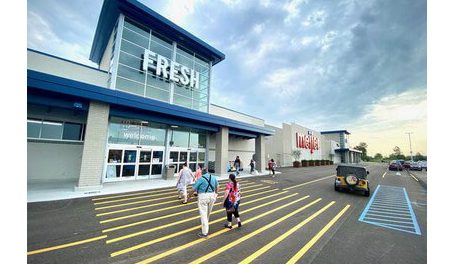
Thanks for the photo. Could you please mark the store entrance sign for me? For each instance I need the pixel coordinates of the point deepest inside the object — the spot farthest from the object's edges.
(307, 142)
(169, 69)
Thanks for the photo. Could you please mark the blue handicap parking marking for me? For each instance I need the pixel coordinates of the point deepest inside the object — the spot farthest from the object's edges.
(390, 207)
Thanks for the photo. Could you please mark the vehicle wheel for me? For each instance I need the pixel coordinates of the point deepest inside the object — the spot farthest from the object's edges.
(367, 192)
(336, 188)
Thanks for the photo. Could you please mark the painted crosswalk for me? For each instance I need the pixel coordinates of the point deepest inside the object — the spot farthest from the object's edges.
(154, 225)
(390, 207)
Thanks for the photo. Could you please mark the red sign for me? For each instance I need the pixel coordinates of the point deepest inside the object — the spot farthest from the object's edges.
(307, 142)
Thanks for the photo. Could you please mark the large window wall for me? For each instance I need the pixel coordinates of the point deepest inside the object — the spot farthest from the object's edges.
(130, 77)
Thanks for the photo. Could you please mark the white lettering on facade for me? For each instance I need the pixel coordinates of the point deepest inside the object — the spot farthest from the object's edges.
(170, 69)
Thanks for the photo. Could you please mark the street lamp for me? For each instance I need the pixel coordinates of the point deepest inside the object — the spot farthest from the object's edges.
(410, 147)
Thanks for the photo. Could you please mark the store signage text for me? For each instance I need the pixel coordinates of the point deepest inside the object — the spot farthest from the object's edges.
(170, 69)
(307, 142)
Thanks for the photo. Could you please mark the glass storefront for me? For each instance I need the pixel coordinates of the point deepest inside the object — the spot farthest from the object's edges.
(137, 149)
(131, 77)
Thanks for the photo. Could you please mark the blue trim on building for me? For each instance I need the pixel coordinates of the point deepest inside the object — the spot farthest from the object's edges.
(62, 101)
(62, 86)
(139, 12)
(70, 61)
(347, 149)
(335, 132)
(242, 134)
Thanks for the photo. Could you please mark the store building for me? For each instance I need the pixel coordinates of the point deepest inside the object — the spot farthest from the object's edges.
(313, 145)
(145, 107)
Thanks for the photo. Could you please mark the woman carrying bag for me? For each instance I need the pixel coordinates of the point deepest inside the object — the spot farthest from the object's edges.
(232, 201)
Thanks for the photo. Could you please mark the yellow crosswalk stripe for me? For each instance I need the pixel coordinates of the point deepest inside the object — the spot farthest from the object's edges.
(65, 245)
(305, 183)
(151, 192)
(150, 200)
(302, 252)
(156, 210)
(185, 246)
(260, 230)
(169, 193)
(282, 237)
(212, 222)
(178, 222)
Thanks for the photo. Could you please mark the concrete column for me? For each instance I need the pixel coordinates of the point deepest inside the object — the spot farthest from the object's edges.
(92, 164)
(260, 153)
(221, 151)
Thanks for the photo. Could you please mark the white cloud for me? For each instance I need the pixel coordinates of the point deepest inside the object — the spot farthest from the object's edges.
(327, 40)
(258, 28)
(178, 11)
(40, 36)
(293, 10)
(316, 18)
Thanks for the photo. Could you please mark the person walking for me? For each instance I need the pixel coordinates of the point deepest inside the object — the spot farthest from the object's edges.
(237, 165)
(272, 167)
(207, 190)
(253, 166)
(198, 172)
(186, 177)
(232, 201)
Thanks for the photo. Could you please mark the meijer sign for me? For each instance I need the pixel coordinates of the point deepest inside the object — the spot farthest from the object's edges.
(176, 73)
(307, 142)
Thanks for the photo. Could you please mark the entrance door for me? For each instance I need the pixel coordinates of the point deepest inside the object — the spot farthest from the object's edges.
(193, 157)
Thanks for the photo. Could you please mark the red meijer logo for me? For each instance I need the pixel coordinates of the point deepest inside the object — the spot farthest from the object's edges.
(307, 142)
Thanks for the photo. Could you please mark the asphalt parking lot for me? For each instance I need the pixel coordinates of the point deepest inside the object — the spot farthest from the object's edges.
(296, 217)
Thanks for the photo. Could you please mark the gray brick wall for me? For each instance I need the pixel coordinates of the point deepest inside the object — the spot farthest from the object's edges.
(94, 145)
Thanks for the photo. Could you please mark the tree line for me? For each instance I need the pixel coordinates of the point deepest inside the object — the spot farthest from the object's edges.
(395, 155)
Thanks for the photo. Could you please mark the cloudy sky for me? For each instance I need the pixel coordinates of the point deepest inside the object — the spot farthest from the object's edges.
(326, 65)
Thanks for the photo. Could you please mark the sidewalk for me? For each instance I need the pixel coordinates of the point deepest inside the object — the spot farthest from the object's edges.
(52, 191)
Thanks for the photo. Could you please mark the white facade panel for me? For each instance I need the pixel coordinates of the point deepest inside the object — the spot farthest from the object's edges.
(231, 114)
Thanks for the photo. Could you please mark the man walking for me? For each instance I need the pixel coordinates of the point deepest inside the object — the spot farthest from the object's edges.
(207, 190)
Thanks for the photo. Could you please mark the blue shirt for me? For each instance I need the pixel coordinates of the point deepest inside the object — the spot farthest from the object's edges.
(201, 184)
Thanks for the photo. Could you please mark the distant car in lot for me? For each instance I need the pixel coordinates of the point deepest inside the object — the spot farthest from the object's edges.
(352, 178)
(423, 164)
(395, 165)
(415, 166)
(407, 164)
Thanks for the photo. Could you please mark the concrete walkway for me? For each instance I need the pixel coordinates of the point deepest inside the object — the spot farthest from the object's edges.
(52, 191)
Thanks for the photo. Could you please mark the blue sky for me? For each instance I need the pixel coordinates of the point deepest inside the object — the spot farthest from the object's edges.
(326, 65)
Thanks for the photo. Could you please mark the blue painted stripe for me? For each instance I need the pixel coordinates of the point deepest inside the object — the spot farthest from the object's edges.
(417, 228)
(388, 220)
(390, 203)
(362, 216)
(389, 206)
(388, 216)
(391, 227)
(389, 210)
(389, 213)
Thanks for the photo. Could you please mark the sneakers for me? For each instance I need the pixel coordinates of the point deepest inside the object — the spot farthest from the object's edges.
(202, 235)
(239, 224)
(227, 226)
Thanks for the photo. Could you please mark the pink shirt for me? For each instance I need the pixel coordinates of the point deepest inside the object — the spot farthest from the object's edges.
(198, 174)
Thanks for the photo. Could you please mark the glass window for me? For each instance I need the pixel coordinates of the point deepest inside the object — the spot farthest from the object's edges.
(128, 170)
(158, 155)
(152, 136)
(145, 156)
(161, 40)
(72, 131)
(114, 156)
(132, 74)
(33, 128)
(183, 156)
(132, 49)
(182, 101)
(130, 86)
(193, 156)
(144, 170)
(113, 171)
(201, 156)
(123, 134)
(157, 82)
(157, 94)
(130, 156)
(51, 130)
(180, 90)
(180, 138)
(174, 156)
(136, 27)
(130, 60)
(202, 140)
(160, 49)
(136, 38)
(156, 169)
(194, 139)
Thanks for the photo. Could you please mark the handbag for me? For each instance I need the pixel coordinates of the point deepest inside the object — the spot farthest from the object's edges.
(230, 208)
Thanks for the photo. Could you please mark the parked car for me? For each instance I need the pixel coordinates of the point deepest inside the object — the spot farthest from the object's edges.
(352, 178)
(395, 165)
(415, 166)
(407, 164)
(423, 164)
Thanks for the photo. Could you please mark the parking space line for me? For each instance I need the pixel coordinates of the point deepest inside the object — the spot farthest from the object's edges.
(383, 175)
(224, 230)
(178, 222)
(313, 241)
(305, 183)
(283, 236)
(172, 207)
(412, 175)
(65, 245)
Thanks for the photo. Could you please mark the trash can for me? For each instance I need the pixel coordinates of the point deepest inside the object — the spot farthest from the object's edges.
(170, 170)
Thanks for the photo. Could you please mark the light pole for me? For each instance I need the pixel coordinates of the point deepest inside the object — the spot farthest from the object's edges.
(410, 147)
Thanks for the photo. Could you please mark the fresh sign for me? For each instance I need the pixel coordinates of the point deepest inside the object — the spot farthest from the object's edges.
(170, 69)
